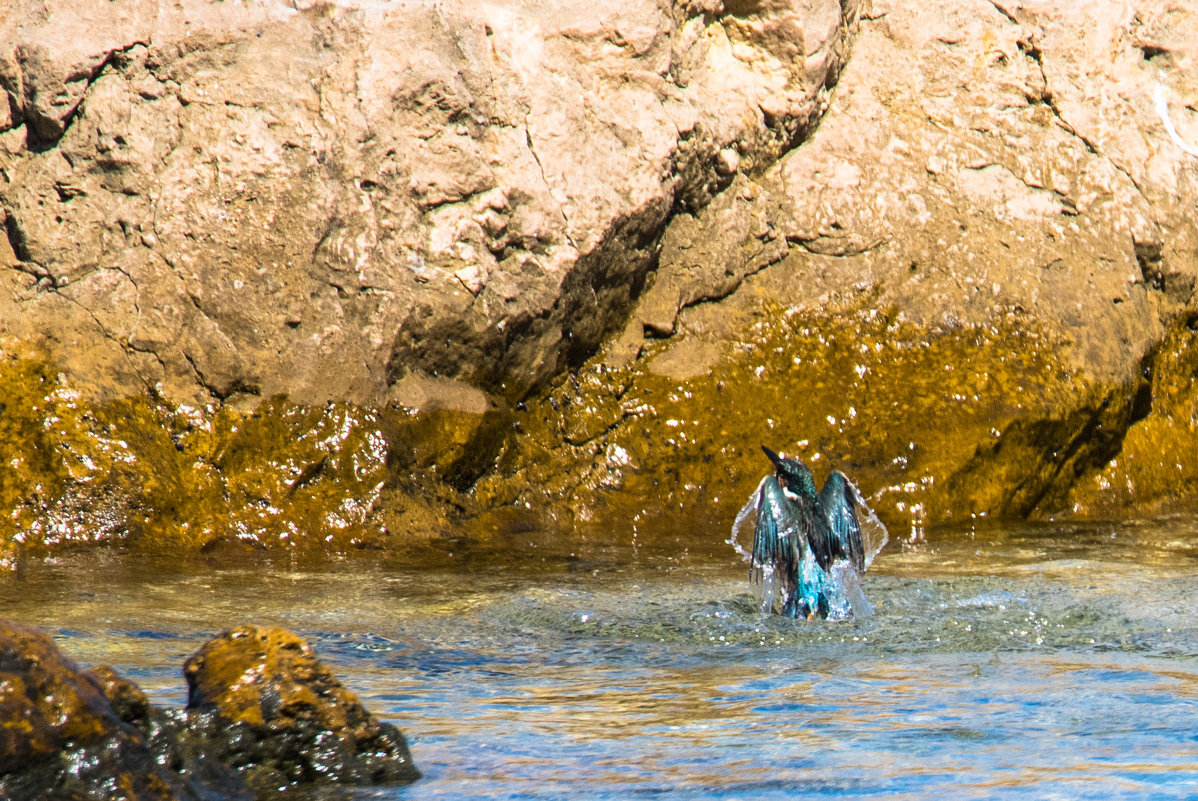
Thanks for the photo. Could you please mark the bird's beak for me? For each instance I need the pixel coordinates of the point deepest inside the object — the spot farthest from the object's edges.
(775, 458)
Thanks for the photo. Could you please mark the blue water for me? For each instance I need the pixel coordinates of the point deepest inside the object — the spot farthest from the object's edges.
(1036, 663)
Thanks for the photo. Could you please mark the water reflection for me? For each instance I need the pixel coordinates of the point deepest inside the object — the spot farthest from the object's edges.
(1026, 662)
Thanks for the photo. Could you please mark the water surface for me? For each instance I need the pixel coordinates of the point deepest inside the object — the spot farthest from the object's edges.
(1034, 662)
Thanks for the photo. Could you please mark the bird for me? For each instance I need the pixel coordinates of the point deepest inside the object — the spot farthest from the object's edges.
(802, 536)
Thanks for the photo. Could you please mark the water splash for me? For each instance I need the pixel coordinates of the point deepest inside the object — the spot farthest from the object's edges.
(750, 508)
(842, 583)
(874, 534)
(762, 576)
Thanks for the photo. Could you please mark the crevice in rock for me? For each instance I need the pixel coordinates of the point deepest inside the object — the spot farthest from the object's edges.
(786, 133)
(311, 472)
(38, 141)
(770, 258)
(1044, 435)
(1086, 436)
(1141, 404)
(130, 344)
(601, 436)
(1151, 51)
(150, 352)
(716, 297)
(199, 374)
(1030, 49)
(1010, 17)
(1149, 255)
(120, 342)
(840, 248)
(16, 238)
(548, 189)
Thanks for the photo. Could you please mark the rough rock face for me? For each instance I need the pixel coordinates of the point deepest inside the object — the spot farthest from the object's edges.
(71, 734)
(341, 200)
(954, 291)
(972, 287)
(87, 735)
(284, 719)
(131, 469)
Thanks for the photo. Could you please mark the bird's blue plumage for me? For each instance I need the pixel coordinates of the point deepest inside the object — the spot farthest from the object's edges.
(839, 504)
(800, 537)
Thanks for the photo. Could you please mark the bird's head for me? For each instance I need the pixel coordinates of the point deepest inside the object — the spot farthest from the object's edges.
(793, 475)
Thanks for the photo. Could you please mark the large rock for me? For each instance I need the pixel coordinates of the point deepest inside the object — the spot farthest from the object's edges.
(264, 714)
(972, 289)
(134, 470)
(321, 199)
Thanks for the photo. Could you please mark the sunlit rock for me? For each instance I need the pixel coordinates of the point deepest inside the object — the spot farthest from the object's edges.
(451, 189)
(68, 733)
(263, 713)
(273, 711)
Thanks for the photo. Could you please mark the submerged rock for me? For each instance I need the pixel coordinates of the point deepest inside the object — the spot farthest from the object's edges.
(94, 736)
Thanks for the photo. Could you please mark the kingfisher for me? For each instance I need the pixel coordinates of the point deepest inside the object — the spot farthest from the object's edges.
(807, 541)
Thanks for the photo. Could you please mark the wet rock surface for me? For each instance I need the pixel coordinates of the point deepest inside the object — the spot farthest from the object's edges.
(280, 717)
(962, 290)
(264, 715)
(136, 471)
(75, 734)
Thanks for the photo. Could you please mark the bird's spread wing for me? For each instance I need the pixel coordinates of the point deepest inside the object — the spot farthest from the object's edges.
(838, 503)
(819, 536)
(776, 535)
(770, 527)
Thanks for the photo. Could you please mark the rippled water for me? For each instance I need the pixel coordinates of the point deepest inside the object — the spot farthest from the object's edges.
(1042, 662)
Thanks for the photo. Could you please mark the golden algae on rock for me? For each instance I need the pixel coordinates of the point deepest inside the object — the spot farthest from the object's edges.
(291, 473)
(73, 472)
(231, 671)
(133, 470)
(935, 425)
(1157, 459)
(59, 735)
(283, 718)
(263, 713)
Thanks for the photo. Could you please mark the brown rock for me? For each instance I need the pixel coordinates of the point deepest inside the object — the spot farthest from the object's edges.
(264, 712)
(283, 714)
(954, 291)
(436, 209)
(59, 735)
(452, 189)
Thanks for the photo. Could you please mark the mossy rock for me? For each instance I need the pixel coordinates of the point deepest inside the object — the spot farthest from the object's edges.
(60, 736)
(281, 713)
(936, 426)
(1156, 465)
(136, 472)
